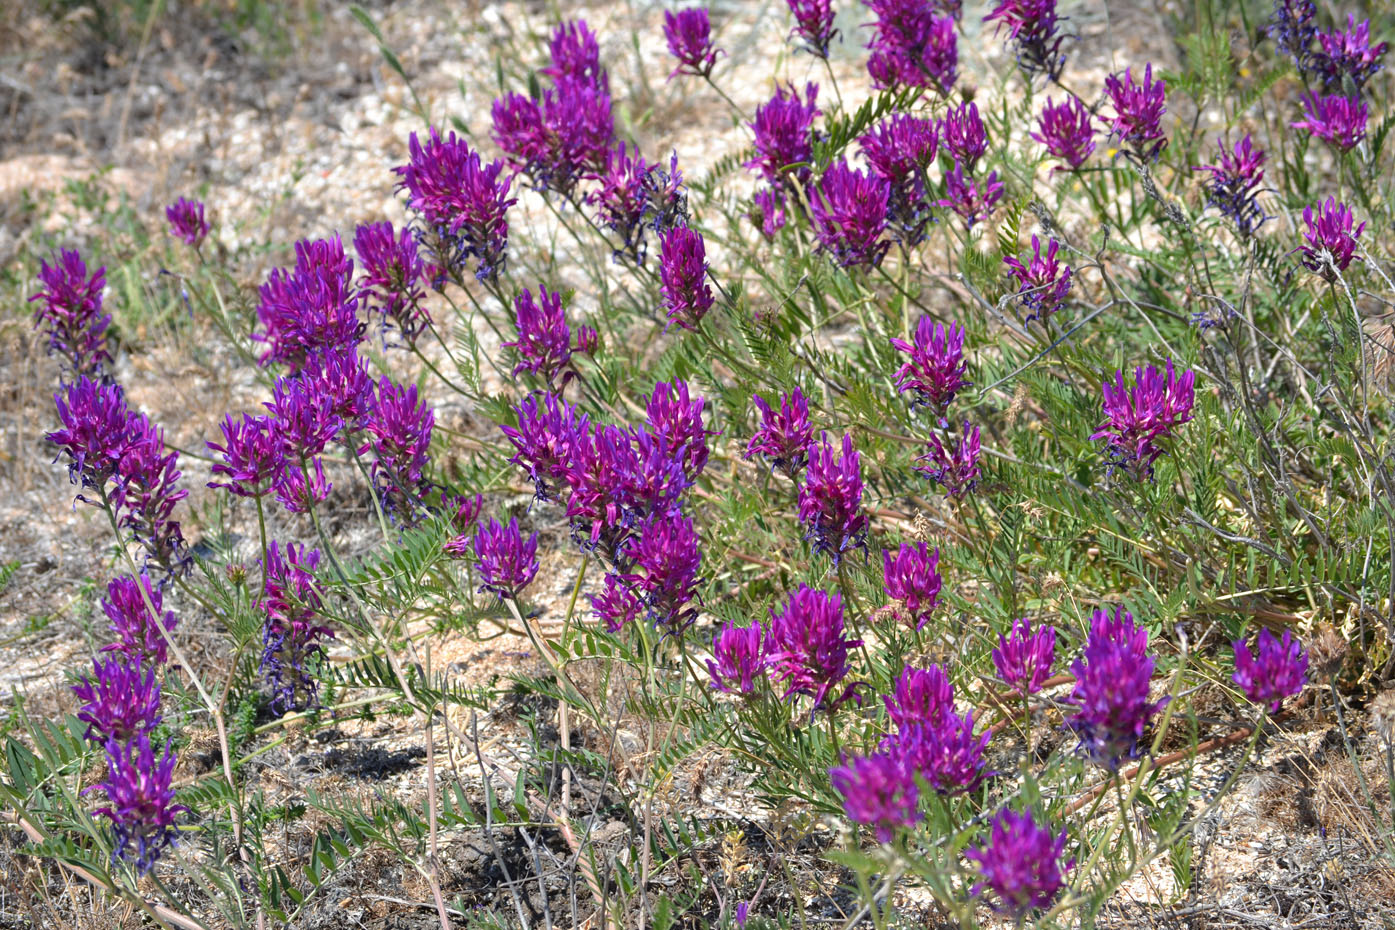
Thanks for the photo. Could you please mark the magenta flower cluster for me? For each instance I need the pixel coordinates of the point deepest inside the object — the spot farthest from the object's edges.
(1043, 283)
(1111, 694)
(1138, 111)
(911, 46)
(689, 36)
(1140, 419)
(187, 221)
(70, 313)
(1234, 184)
(1021, 864)
(1277, 669)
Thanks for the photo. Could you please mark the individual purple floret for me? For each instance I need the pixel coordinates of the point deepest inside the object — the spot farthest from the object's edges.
(127, 605)
(94, 420)
(145, 492)
(912, 577)
(617, 605)
(140, 801)
(1110, 696)
(1043, 284)
(547, 439)
(849, 212)
(935, 371)
(1276, 670)
(676, 417)
(390, 285)
(400, 425)
(302, 487)
(1138, 111)
(1139, 418)
(963, 136)
(901, 148)
(1330, 242)
(1348, 54)
(807, 649)
(1067, 131)
(946, 753)
(830, 499)
(303, 418)
(560, 138)
(973, 201)
(187, 221)
(1293, 27)
(311, 307)
(911, 46)
(293, 632)
(921, 696)
(119, 701)
(813, 23)
(463, 202)
(1033, 27)
(576, 54)
(506, 563)
(768, 211)
(667, 556)
(1336, 119)
(1021, 863)
(1235, 183)
(683, 276)
(689, 36)
(783, 130)
(784, 436)
(251, 456)
(544, 343)
(70, 312)
(1023, 658)
(878, 791)
(953, 466)
(738, 656)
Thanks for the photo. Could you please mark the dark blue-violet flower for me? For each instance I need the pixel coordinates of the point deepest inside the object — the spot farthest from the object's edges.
(576, 54)
(912, 579)
(1234, 184)
(807, 648)
(120, 701)
(127, 605)
(946, 753)
(666, 557)
(507, 564)
(879, 791)
(783, 130)
(1110, 697)
(400, 425)
(830, 499)
(1138, 111)
(689, 36)
(1138, 420)
(1329, 242)
(1276, 670)
(952, 464)
(813, 24)
(1348, 54)
(676, 417)
(921, 696)
(1023, 658)
(544, 343)
(1336, 119)
(140, 801)
(633, 196)
(70, 312)
(738, 656)
(783, 437)
(145, 492)
(1293, 27)
(1042, 285)
(683, 277)
(849, 212)
(548, 438)
(187, 222)
(1034, 28)
(911, 46)
(559, 139)
(1021, 863)
(935, 371)
(1067, 131)
(972, 200)
(390, 285)
(251, 455)
(963, 136)
(310, 307)
(293, 633)
(901, 148)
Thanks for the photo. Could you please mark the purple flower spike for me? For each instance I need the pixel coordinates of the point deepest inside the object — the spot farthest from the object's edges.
(936, 368)
(293, 634)
(966, 197)
(138, 638)
(1336, 119)
(901, 148)
(738, 656)
(548, 438)
(689, 36)
(1138, 110)
(1033, 27)
(340, 379)
(506, 563)
(1138, 418)
(912, 577)
(634, 196)
(676, 418)
(1292, 28)
(1023, 658)
(1276, 670)
(617, 604)
(292, 490)
(187, 221)
(911, 46)
(783, 134)
(252, 456)
(830, 499)
(93, 433)
(1330, 241)
(391, 282)
(401, 424)
(879, 792)
(946, 754)
(544, 342)
(807, 649)
(922, 696)
(1235, 183)
(1042, 286)
(954, 467)
(304, 419)
(1349, 54)
(813, 23)
(576, 54)
(1021, 863)
(559, 139)
(683, 274)
(120, 701)
(666, 552)
(1067, 131)
(1112, 678)
(849, 211)
(768, 211)
(783, 437)
(311, 307)
(145, 493)
(70, 312)
(963, 136)
(140, 801)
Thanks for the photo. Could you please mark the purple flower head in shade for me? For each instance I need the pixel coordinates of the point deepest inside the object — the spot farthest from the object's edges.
(393, 273)
(462, 512)
(666, 198)
(507, 564)
(1110, 696)
(617, 604)
(1138, 418)
(1067, 131)
(1234, 184)
(1276, 670)
(1330, 242)
(561, 137)
(849, 211)
(813, 23)
(1033, 26)
(689, 36)
(296, 493)
(921, 696)
(340, 378)
(963, 136)
(1042, 285)
(1292, 28)
(667, 557)
(548, 438)
(768, 211)
(304, 419)
(683, 276)
(973, 201)
(251, 455)
(187, 221)
(783, 437)
(138, 638)
(119, 701)
(783, 130)
(544, 343)
(1021, 863)
(676, 417)
(1348, 54)
(911, 46)
(912, 577)
(311, 307)
(93, 432)
(936, 368)
(400, 426)
(952, 465)
(70, 312)
(738, 656)
(946, 753)
(1138, 110)
(1336, 119)
(293, 632)
(1023, 658)
(807, 649)
(830, 499)
(878, 791)
(623, 199)
(463, 203)
(140, 801)
(576, 54)
(900, 149)
(145, 492)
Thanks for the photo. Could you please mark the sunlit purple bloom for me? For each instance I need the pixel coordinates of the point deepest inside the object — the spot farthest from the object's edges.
(911, 46)
(297, 494)
(813, 23)
(1043, 284)
(127, 605)
(251, 455)
(1110, 696)
(1292, 27)
(912, 577)
(1138, 111)
(1276, 670)
(783, 134)
(1335, 119)
(293, 632)
(921, 696)
(936, 368)
(689, 37)
(400, 425)
(187, 221)
(617, 478)
(544, 342)
(145, 491)
(576, 54)
(1033, 27)
(946, 754)
(667, 557)
(391, 282)
(1235, 183)
(1140, 417)
(1023, 658)
(807, 649)
(830, 499)
(340, 378)
(93, 433)
(507, 564)
(1348, 54)
(768, 211)
(970, 199)
(878, 791)
(738, 656)
(119, 701)
(1330, 242)
(70, 312)
(677, 418)
(849, 213)
(547, 439)
(784, 436)
(901, 148)
(140, 801)
(683, 275)
(561, 137)
(1021, 863)
(617, 604)
(963, 136)
(1067, 131)
(311, 307)
(952, 465)
(303, 418)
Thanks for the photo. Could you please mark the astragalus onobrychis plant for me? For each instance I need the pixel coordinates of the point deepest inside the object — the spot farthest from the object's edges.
(964, 464)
